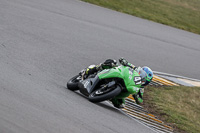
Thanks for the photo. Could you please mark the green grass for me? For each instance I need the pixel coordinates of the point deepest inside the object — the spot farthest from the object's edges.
(179, 106)
(183, 14)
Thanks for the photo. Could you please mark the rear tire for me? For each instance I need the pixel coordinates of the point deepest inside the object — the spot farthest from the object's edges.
(96, 97)
(72, 84)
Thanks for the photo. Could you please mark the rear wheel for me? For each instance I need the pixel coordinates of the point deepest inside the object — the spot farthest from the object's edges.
(103, 94)
(72, 84)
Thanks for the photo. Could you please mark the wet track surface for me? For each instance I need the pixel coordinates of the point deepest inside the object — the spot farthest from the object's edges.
(44, 43)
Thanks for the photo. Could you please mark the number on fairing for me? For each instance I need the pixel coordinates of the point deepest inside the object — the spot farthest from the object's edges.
(137, 80)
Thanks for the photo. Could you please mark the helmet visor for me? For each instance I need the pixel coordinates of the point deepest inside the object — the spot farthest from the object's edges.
(143, 74)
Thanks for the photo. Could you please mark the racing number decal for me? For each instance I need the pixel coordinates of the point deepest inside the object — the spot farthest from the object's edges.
(137, 80)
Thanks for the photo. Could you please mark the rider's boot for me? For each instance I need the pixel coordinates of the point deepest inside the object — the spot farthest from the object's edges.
(118, 103)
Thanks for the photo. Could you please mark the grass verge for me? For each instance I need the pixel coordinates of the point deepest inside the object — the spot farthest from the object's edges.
(178, 106)
(183, 14)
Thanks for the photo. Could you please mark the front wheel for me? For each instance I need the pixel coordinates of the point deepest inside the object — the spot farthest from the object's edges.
(72, 84)
(103, 94)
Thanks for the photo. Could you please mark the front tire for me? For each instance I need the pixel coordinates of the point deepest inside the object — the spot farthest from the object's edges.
(99, 96)
(72, 84)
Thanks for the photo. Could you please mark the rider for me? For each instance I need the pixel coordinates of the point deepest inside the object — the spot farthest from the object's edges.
(145, 73)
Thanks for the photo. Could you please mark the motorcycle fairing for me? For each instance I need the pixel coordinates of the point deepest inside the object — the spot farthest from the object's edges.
(131, 78)
(87, 86)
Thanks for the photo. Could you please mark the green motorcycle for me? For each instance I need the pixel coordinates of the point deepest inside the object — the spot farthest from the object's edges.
(118, 82)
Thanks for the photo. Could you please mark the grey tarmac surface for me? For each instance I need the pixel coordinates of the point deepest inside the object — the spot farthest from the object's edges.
(44, 43)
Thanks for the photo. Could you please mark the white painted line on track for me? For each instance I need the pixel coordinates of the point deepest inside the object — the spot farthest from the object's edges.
(176, 76)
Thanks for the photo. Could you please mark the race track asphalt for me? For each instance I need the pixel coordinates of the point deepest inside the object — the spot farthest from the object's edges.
(44, 43)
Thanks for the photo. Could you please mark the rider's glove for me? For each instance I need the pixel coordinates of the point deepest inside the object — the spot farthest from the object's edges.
(123, 61)
(138, 99)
